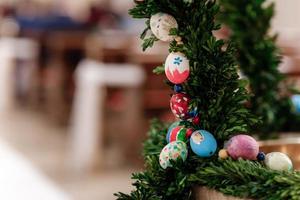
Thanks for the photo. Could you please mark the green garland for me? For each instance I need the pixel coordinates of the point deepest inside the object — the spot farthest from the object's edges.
(245, 179)
(249, 179)
(220, 96)
(259, 58)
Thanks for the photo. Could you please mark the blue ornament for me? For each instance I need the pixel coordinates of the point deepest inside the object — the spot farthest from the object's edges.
(178, 88)
(203, 143)
(170, 130)
(193, 113)
(296, 103)
(261, 156)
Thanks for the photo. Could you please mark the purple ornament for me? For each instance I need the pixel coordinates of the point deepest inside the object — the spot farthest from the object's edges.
(243, 146)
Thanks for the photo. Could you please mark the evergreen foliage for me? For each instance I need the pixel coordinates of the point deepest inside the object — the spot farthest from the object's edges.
(220, 96)
(259, 58)
(237, 178)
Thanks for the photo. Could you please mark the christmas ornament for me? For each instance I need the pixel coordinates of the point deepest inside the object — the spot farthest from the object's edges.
(179, 104)
(223, 154)
(178, 39)
(161, 24)
(196, 120)
(178, 88)
(173, 125)
(177, 67)
(172, 151)
(179, 133)
(261, 156)
(203, 143)
(278, 161)
(242, 146)
(296, 103)
(193, 113)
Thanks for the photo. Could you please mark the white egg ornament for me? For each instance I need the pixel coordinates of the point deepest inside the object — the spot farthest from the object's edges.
(172, 151)
(278, 161)
(203, 143)
(161, 24)
(177, 67)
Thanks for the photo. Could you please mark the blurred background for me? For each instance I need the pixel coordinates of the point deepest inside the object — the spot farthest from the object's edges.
(77, 94)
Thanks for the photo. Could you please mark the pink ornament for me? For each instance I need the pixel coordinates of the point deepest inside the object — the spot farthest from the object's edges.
(179, 104)
(242, 146)
(177, 67)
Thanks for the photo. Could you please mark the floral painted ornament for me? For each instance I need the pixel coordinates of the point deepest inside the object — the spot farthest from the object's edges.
(172, 151)
(177, 67)
(179, 104)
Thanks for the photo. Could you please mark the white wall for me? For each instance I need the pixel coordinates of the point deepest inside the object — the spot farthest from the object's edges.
(287, 19)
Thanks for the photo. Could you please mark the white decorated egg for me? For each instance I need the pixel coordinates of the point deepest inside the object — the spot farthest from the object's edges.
(172, 151)
(278, 161)
(177, 67)
(161, 24)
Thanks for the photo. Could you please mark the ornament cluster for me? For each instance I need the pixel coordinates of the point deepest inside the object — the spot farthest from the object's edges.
(201, 142)
(177, 66)
(246, 147)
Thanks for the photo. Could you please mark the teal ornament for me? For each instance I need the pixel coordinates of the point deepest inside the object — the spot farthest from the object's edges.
(172, 151)
(203, 143)
(296, 103)
(173, 125)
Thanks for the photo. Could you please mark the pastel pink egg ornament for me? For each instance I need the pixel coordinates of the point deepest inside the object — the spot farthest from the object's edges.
(242, 146)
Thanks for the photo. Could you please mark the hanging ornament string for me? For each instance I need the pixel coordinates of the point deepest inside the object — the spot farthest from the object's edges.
(202, 142)
(177, 70)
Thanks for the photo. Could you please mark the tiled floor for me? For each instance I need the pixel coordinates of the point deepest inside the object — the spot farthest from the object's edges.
(45, 144)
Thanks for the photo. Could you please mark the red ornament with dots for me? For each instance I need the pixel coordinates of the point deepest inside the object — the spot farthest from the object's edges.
(179, 104)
